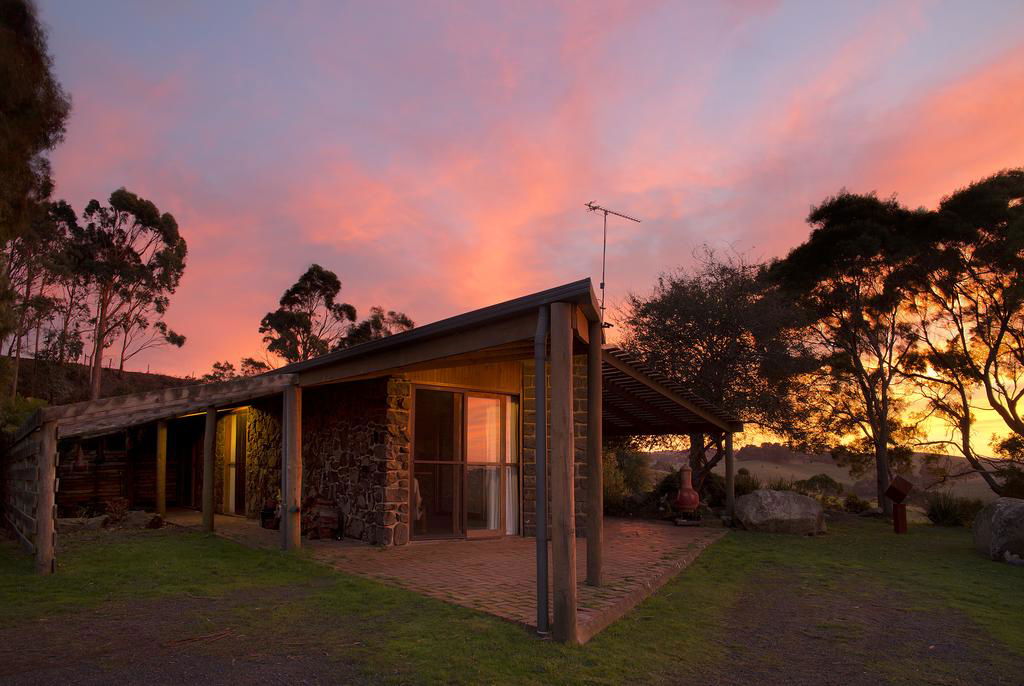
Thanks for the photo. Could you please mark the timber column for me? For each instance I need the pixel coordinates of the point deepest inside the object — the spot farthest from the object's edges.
(209, 457)
(291, 469)
(730, 477)
(161, 468)
(595, 458)
(563, 517)
(46, 496)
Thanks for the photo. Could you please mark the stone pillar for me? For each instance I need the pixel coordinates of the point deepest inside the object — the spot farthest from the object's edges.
(595, 458)
(209, 459)
(730, 477)
(46, 495)
(161, 468)
(291, 469)
(563, 510)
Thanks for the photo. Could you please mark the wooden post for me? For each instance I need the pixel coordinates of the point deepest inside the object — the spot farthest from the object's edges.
(209, 458)
(563, 509)
(161, 468)
(730, 477)
(595, 459)
(46, 496)
(291, 468)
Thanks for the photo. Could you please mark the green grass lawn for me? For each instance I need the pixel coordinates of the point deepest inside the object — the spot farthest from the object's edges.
(388, 634)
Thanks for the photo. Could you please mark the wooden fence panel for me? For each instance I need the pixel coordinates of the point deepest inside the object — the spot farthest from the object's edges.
(20, 492)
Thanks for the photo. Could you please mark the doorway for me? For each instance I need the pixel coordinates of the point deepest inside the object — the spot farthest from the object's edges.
(234, 463)
(465, 464)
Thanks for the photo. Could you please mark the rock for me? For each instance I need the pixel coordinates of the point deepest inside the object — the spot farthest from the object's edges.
(66, 525)
(782, 512)
(140, 519)
(999, 529)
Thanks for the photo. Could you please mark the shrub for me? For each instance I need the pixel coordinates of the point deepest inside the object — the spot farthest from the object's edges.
(780, 483)
(615, 491)
(820, 485)
(945, 509)
(712, 491)
(743, 471)
(746, 483)
(855, 504)
(117, 510)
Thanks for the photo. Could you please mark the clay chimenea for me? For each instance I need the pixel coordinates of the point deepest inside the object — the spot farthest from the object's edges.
(688, 500)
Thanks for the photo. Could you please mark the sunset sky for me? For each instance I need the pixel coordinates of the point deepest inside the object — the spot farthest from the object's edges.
(437, 156)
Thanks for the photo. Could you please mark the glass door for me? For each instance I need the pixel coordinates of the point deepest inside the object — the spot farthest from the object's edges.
(485, 453)
(437, 464)
(465, 464)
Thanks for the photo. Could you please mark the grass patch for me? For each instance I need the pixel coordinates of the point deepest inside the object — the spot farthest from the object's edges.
(392, 635)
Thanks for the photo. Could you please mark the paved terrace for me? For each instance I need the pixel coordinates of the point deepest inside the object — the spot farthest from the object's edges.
(497, 576)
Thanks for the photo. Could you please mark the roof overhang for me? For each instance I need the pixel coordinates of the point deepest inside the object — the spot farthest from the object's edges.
(106, 415)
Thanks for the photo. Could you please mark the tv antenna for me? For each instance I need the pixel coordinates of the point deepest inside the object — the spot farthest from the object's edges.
(594, 207)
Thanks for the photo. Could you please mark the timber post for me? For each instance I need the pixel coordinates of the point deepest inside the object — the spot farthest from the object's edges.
(161, 468)
(563, 510)
(209, 458)
(291, 468)
(46, 498)
(730, 477)
(595, 458)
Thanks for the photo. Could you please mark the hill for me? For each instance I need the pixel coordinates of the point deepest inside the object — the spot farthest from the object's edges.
(59, 384)
(770, 461)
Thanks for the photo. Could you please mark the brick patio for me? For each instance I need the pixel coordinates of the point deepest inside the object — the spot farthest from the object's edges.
(497, 576)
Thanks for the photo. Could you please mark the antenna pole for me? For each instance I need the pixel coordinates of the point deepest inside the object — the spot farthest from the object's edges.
(604, 259)
(594, 207)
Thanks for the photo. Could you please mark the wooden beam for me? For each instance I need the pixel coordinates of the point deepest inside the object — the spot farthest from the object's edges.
(595, 467)
(209, 458)
(161, 468)
(707, 416)
(46, 485)
(642, 403)
(563, 510)
(291, 469)
(730, 477)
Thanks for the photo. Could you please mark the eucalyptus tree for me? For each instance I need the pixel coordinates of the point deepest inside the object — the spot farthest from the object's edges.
(969, 314)
(33, 112)
(132, 256)
(847, 278)
(308, 321)
(379, 324)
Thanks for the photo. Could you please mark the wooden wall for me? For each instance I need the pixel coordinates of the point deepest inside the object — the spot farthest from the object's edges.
(94, 471)
(500, 377)
(20, 488)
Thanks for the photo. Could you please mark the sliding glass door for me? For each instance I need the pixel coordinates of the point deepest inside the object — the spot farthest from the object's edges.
(465, 464)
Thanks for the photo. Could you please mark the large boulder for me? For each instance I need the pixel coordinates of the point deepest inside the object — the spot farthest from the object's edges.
(780, 512)
(999, 529)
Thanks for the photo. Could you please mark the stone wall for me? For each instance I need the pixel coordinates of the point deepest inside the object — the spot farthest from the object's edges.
(355, 453)
(263, 455)
(529, 450)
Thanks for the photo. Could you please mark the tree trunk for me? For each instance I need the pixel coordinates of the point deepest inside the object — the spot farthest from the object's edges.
(97, 350)
(882, 474)
(124, 349)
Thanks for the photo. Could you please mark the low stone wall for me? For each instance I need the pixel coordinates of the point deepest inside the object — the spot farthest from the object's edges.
(529, 449)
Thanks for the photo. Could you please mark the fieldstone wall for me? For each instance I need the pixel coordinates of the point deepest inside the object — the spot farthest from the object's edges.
(355, 453)
(263, 455)
(529, 449)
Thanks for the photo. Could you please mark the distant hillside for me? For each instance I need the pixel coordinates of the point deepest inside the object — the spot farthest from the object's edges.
(773, 461)
(60, 384)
